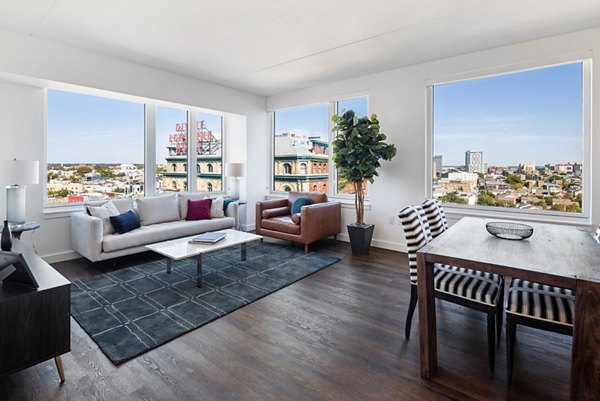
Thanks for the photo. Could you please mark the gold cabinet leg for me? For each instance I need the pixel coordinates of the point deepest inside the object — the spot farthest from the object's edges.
(59, 367)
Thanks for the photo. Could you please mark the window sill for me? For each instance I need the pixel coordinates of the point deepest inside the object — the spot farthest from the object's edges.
(60, 212)
(347, 202)
(457, 212)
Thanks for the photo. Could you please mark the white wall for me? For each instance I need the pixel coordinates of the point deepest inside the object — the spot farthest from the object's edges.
(28, 64)
(398, 97)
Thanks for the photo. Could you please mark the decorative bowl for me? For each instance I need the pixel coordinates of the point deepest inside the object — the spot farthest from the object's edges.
(506, 230)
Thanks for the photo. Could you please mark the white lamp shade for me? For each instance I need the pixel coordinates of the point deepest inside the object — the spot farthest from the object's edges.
(235, 170)
(19, 172)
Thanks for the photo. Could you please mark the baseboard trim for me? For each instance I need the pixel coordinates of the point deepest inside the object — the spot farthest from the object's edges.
(60, 256)
(378, 243)
(248, 227)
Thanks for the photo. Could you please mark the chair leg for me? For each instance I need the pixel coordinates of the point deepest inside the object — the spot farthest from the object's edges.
(411, 310)
(500, 314)
(511, 336)
(59, 368)
(491, 332)
(305, 248)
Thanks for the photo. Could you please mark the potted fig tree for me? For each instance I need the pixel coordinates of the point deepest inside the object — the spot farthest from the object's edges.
(358, 148)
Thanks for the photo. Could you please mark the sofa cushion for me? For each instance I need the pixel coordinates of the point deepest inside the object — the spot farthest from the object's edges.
(162, 232)
(124, 204)
(282, 224)
(199, 209)
(104, 213)
(125, 222)
(158, 209)
(183, 201)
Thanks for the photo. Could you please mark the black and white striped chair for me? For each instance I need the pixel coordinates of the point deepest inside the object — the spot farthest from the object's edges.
(438, 223)
(540, 306)
(435, 216)
(471, 288)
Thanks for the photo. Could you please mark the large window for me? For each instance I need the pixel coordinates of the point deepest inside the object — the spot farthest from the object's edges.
(301, 148)
(95, 148)
(511, 141)
(209, 143)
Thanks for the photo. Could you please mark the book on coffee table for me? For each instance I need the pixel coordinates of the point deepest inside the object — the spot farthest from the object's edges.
(208, 238)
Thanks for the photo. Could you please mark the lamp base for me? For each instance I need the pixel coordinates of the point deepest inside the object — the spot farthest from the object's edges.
(235, 188)
(15, 204)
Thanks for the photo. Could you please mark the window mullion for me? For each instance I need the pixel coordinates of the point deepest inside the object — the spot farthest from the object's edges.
(150, 150)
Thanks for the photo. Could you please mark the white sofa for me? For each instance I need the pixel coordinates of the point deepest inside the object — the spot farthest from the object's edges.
(88, 239)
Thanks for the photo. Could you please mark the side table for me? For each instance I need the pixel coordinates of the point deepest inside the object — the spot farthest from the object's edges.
(18, 229)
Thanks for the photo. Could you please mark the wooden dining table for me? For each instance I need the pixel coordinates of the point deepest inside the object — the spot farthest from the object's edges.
(556, 255)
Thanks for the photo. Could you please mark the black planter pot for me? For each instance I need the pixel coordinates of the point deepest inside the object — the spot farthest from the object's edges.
(360, 238)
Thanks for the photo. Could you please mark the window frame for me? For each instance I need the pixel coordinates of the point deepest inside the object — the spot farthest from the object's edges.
(493, 211)
(150, 106)
(332, 108)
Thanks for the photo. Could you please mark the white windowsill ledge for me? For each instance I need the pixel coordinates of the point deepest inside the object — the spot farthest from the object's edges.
(457, 212)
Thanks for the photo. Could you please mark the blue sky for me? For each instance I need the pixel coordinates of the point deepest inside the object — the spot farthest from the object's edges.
(91, 129)
(313, 120)
(526, 117)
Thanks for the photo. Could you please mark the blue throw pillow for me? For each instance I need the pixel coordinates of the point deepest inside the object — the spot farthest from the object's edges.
(298, 203)
(125, 222)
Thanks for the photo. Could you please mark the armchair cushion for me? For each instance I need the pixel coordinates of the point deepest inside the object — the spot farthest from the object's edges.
(298, 203)
(277, 211)
(282, 224)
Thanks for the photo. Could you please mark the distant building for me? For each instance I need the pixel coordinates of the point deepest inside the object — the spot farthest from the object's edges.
(209, 160)
(526, 168)
(301, 163)
(437, 166)
(474, 161)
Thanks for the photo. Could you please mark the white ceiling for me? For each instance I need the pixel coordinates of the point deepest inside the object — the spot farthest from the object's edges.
(273, 46)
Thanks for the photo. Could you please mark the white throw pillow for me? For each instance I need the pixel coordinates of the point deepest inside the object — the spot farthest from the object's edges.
(216, 208)
(104, 212)
(158, 209)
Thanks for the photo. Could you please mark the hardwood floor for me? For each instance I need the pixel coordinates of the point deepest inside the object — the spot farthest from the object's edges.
(335, 335)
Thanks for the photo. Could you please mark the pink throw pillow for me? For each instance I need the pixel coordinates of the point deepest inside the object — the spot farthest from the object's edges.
(199, 209)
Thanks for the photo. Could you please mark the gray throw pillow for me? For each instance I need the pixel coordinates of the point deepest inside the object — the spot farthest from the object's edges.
(104, 212)
(158, 209)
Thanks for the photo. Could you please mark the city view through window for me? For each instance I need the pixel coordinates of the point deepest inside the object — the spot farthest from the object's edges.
(301, 147)
(96, 149)
(513, 141)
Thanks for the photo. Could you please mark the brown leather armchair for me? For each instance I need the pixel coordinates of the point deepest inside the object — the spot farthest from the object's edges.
(314, 222)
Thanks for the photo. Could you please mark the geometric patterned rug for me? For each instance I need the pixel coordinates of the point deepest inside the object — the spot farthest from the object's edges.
(130, 311)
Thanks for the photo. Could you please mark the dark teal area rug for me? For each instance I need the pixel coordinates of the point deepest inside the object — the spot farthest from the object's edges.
(130, 311)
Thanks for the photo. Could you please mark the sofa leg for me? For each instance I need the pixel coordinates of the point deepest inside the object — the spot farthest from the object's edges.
(305, 248)
(334, 237)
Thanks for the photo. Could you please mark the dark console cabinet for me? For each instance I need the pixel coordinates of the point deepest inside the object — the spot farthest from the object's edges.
(34, 324)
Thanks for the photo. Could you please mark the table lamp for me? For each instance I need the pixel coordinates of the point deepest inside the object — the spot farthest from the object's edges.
(235, 171)
(17, 174)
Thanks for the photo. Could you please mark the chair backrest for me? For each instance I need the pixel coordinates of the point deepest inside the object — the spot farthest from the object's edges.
(435, 216)
(418, 234)
(597, 235)
(315, 197)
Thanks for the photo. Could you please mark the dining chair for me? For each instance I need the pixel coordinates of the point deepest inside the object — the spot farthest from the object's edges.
(539, 306)
(438, 224)
(470, 288)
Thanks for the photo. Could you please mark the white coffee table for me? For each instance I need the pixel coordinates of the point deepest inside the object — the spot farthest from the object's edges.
(180, 248)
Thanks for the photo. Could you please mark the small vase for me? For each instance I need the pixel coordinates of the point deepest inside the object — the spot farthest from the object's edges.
(6, 241)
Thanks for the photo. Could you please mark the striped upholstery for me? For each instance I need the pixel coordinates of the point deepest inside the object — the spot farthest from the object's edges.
(597, 235)
(457, 281)
(541, 301)
(418, 234)
(435, 216)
